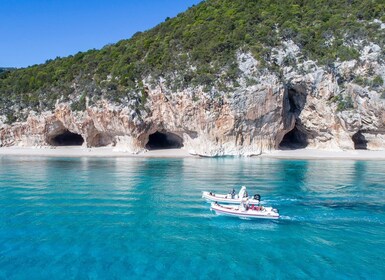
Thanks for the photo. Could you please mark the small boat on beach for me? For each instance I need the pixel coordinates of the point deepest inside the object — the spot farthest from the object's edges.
(232, 197)
(243, 210)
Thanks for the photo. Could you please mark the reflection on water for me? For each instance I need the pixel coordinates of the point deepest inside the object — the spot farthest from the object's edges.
(104, 218)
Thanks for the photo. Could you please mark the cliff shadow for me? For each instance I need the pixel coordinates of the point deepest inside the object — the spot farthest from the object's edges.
(293, 103)
(296, 99)
(164, 140)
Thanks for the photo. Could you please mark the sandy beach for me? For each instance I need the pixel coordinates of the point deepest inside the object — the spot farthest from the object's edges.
(323, 154)
(72, 151)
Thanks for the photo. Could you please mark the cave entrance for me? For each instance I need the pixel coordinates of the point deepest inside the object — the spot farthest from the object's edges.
(360, 142)
(293, 103)
(67, 138)
(294, 139)
(164, 140)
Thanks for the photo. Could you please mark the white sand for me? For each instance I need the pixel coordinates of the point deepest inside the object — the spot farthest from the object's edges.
(69, 151)
(181, 153)
(323, 154)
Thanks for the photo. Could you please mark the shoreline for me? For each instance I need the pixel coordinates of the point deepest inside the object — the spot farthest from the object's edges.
(109, 152)
(78, 152)
(325, 154)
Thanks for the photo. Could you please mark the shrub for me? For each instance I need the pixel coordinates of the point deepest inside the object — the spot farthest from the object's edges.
(377, 81)
(362, 81)
(345, 104)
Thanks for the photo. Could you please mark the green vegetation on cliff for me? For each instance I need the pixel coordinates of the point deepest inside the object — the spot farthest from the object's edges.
(197, 47)
(6, 69)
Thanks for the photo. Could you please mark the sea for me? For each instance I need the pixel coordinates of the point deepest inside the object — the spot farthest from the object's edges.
(138, 218)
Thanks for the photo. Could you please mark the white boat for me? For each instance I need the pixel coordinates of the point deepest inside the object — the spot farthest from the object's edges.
(231, 198)
(245, 211)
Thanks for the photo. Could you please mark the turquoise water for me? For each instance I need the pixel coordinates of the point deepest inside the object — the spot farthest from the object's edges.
(144, 218)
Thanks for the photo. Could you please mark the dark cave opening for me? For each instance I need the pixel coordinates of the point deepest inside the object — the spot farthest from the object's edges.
(67, 138)
(360, 142)
(164, 140)
(293, 103)
(294, 139)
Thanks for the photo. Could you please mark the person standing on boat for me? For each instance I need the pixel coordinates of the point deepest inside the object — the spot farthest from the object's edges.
(233, 194)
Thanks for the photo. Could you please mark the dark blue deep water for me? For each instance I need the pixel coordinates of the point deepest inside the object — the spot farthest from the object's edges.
(144, 218)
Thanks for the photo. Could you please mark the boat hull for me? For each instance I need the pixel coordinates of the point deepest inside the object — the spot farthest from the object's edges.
(267, 213)
(221, 198)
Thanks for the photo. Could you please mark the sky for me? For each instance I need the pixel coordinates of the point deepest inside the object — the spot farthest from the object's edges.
(33, 31)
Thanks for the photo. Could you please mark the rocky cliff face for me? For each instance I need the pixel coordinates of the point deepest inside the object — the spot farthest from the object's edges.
(339, 107)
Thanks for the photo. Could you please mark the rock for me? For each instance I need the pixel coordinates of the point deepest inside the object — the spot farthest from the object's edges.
(316, 109)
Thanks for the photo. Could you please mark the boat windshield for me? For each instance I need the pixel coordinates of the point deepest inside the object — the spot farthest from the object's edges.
(242, 192)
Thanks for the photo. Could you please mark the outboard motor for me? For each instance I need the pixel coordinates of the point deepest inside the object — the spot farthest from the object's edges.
(257, 197)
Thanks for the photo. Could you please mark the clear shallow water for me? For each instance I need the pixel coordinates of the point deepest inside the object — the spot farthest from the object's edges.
(135, 218)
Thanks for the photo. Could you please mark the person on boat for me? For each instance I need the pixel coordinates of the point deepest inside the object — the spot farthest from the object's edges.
(233, 194)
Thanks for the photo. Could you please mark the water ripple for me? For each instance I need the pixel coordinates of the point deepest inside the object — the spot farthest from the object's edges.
(106, 218)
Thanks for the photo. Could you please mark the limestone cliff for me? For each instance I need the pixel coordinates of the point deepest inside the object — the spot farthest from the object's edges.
(300, 109)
